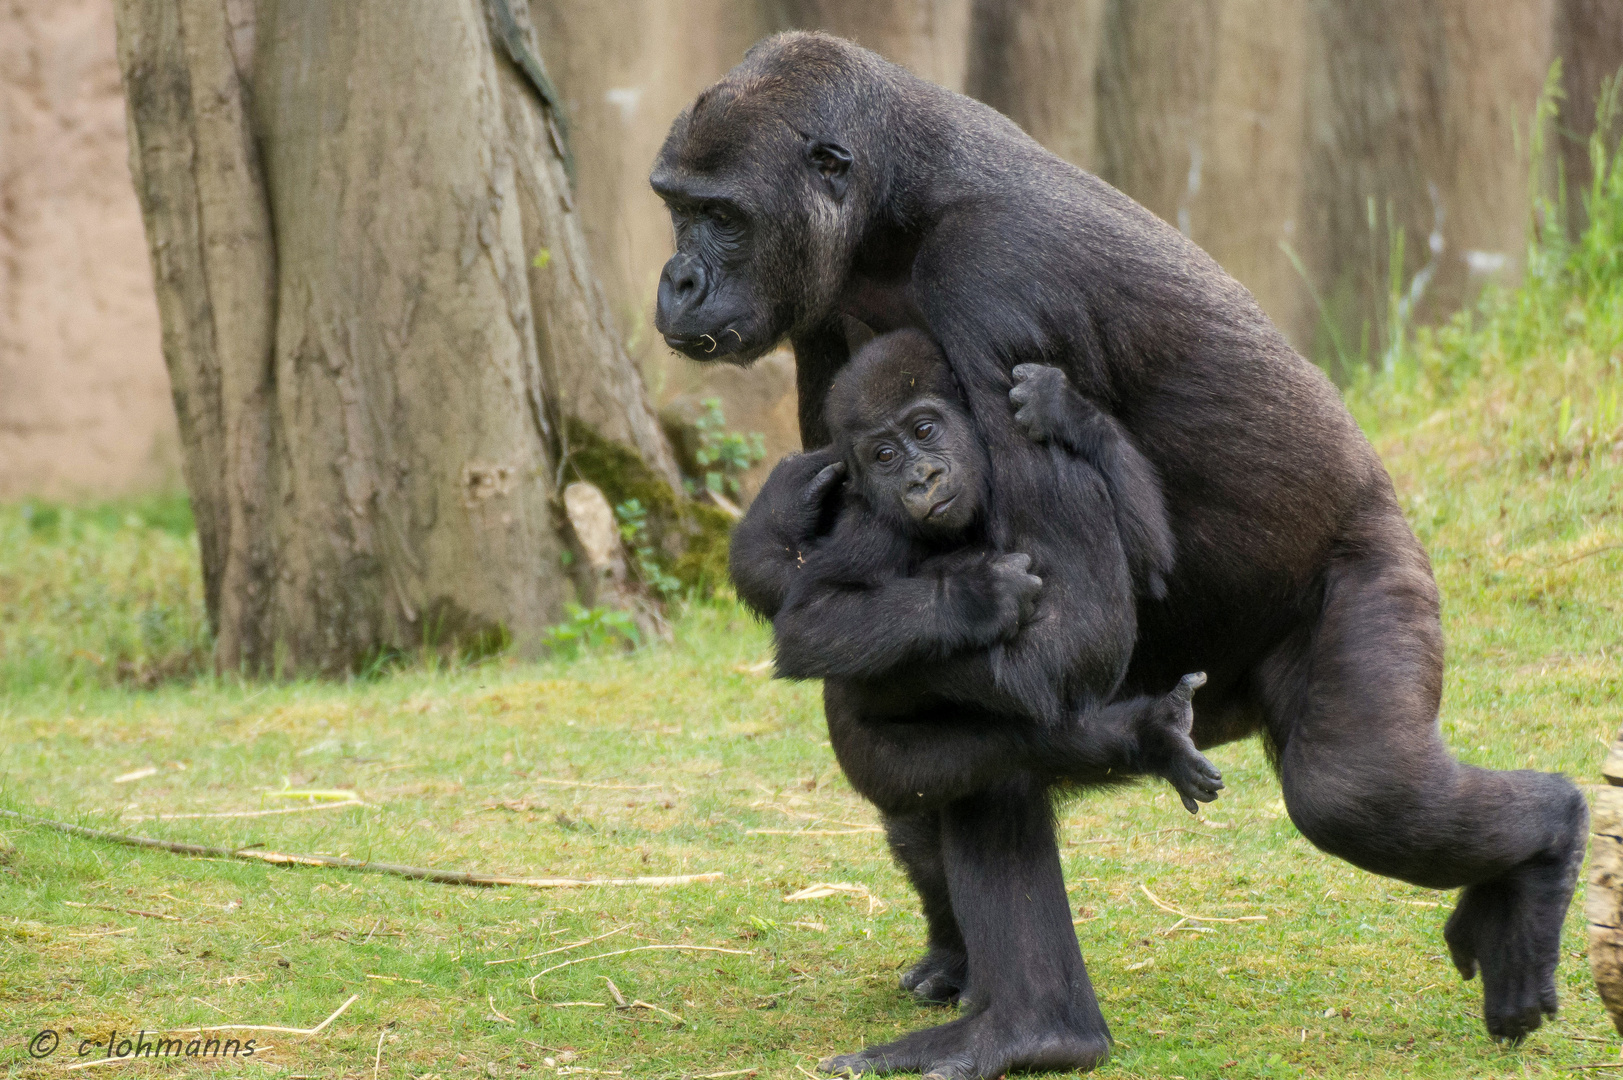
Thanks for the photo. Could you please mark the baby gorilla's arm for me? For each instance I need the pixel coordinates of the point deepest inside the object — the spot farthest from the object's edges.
(903, 766)
(837, 624)
(1048, 409)
(769, 546)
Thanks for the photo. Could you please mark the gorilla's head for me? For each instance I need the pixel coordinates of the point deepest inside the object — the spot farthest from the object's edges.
(909, 446)
(768, 182)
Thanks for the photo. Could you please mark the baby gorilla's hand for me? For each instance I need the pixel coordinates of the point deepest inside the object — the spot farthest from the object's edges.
(1170, 753)
(1038, 398)
(807, 511)
(1016, 590)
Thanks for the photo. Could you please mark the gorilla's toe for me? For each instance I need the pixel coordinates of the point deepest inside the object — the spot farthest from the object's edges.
(938, 977)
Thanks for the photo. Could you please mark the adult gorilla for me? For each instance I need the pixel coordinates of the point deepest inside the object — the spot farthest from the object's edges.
(819, 188)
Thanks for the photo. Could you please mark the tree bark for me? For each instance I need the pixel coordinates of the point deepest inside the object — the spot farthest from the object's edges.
(202, 198)
(1603, 903)
(928, 37)
(1589, 40)
(1036, 62)
(381, 326)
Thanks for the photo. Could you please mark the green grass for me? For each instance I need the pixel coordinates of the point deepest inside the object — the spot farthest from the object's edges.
(1505, 440)
(107, 594)
(456, 768)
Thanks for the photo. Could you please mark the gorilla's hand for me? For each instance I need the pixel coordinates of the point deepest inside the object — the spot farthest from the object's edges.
(792, 502)
(1040, 400)
(1169, 752)
(809, 510)
(1015, 589)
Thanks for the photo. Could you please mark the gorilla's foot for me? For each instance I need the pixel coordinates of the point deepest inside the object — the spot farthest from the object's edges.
(939, 976)
(981, 1047)
(1509, 929)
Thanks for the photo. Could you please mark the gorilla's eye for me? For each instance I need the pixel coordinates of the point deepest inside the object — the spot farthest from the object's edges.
(924, 430)
(884, 454)
(724, 216)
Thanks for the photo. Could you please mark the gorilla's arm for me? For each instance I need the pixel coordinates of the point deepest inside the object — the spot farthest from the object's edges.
(843, 604)
(769, 546)
(854, 611)
(1048, 409)
(908, 765)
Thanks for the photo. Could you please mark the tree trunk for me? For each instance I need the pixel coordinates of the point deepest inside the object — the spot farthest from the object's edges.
(1589, 39)
(1036, 62)
(928, 37)
(382, 327)
(1603, 903)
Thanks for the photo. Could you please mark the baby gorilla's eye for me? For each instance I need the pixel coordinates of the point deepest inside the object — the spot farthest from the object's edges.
(884, 454)
(924, 430)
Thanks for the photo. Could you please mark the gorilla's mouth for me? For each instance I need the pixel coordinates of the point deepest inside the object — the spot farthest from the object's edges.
(941, 507)
(712, 346)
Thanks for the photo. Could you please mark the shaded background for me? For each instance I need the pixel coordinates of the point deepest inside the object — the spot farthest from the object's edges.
(1341, 130)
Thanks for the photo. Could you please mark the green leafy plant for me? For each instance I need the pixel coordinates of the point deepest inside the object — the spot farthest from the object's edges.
(633, 518)
(592, 628)
(730, 452)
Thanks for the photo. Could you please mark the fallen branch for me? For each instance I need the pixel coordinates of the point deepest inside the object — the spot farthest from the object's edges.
(640, 1004)
(126, 911)
(600, 787)
(420, 873)
(340, 805)
(559, 949)
(1164, 906)
(1564, 562)
(317, 1030)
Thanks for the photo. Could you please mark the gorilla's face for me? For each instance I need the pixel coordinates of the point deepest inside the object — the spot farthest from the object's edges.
(710, 303)
(762, 214)
(921, 466)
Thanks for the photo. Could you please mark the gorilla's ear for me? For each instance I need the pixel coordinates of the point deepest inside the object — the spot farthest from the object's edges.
(833, 162)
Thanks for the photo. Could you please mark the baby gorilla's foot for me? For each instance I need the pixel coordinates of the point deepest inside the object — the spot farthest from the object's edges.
(1168, 750)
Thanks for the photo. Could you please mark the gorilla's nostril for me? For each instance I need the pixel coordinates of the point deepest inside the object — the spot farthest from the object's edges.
(687, 279)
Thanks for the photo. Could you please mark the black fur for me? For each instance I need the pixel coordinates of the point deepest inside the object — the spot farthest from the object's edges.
(943, 678)
(911, 616)
(867, 196)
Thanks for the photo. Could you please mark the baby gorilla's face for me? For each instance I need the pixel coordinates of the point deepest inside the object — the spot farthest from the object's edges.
(922, 465)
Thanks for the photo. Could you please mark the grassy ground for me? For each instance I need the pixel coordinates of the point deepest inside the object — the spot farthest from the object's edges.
(667, 761)
(1505, 439)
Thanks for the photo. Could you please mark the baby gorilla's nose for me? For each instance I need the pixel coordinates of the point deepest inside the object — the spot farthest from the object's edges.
(924, 476)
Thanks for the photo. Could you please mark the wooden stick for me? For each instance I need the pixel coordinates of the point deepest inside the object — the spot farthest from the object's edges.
(420, 873)
(559, 949)
(1164, 906)
(126, 911)
(317, 1030)
(343, 805)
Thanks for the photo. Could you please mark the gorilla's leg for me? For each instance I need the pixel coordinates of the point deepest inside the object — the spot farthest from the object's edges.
(915, 843)
(1353, 709)
(1028, 1005)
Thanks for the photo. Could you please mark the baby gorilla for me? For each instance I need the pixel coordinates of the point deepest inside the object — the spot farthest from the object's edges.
(948, 666)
